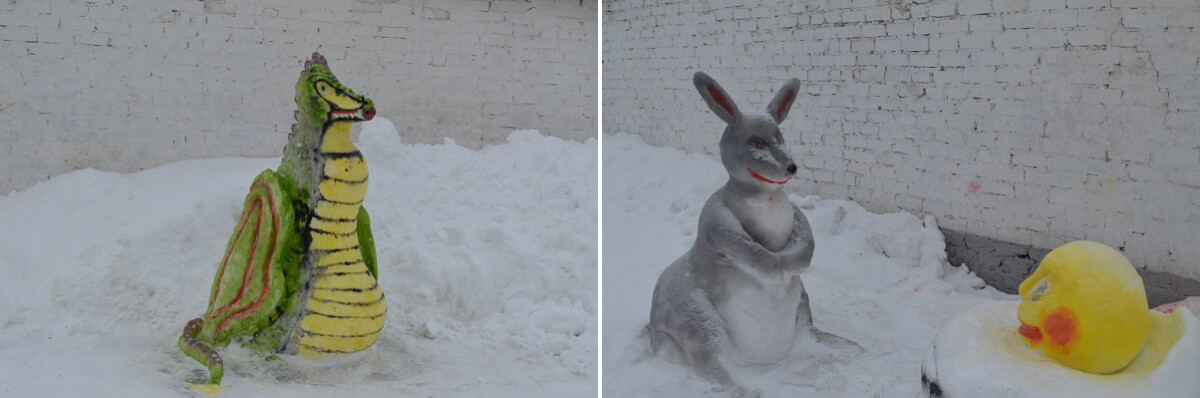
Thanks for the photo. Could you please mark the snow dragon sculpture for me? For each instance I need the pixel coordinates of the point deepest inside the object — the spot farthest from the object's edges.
(299, 273)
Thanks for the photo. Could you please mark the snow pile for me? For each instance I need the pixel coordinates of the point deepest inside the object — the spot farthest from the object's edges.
(879, 280)
(488, 260)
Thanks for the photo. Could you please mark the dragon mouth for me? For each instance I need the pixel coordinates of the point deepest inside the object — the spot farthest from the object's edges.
(360, 114)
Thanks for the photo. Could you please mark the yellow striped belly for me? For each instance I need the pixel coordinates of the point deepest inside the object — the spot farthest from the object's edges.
(344, 313)
(345, 310)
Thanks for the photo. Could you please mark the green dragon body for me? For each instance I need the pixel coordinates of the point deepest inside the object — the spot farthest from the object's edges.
(299, 272)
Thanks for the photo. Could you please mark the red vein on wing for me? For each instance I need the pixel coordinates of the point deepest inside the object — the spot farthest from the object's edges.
(225, 262)
(266, 277)
(249, 272)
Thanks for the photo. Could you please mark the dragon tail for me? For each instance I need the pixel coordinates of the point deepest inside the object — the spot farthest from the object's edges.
(201, 352)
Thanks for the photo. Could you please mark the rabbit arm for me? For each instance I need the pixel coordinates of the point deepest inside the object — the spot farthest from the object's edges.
(798, 253)
(742, 249)
(800, 244)
(799, 224)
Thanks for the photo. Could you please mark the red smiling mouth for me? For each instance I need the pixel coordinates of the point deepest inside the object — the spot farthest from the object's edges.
(765, 179)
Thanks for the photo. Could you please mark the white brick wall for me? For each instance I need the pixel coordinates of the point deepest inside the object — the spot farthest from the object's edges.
(1031, 121)
(130, 84)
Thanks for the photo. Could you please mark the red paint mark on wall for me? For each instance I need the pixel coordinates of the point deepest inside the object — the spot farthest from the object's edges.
(973, 186)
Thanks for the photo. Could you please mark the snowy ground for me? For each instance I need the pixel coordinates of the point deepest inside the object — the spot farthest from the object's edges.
(878, 279)
(488, 260)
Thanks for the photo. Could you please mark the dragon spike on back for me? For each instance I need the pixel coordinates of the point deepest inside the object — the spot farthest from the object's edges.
(318, 59)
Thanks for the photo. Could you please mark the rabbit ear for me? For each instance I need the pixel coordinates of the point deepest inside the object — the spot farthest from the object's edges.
(715, 96)
(779, 107)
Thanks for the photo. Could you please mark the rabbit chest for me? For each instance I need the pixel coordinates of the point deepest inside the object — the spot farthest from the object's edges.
(767, 218)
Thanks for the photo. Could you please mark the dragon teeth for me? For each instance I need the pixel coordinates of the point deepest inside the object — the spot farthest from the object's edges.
(356, 114)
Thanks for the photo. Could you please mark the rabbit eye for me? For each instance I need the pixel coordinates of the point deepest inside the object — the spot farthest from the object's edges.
(758, 143)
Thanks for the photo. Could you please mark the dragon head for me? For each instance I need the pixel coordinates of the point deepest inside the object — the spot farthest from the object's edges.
(321, 99)
(323, 104)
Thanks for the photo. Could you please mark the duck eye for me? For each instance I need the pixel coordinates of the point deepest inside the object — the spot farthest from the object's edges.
(1038, 291)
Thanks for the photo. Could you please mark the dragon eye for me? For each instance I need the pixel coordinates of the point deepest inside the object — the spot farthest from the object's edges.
(323, 87)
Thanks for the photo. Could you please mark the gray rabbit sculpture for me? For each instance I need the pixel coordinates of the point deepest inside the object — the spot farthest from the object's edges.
(737, 295)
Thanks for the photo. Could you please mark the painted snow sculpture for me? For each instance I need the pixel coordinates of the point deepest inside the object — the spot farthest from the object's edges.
(737, 295)
(1085, 307)
(1084, 329)
(299, 273)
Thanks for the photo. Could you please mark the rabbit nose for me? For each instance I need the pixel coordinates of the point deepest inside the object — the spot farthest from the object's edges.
(792, 168)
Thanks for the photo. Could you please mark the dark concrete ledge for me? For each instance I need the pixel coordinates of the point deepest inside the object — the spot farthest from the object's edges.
(1004, 265)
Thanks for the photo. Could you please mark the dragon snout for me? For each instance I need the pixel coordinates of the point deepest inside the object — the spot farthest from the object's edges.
(369, 113)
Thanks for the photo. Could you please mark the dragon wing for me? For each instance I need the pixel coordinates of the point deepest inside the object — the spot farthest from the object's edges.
(261, 262)
(366, 241)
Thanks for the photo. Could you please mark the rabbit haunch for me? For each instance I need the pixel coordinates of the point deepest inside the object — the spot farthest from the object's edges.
(736, 296)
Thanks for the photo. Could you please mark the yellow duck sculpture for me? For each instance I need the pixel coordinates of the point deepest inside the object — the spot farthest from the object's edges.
(1085, 286)
(1084, 329)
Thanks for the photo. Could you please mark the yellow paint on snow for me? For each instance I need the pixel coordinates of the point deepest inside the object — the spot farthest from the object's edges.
(1165, 331)
(209, 390)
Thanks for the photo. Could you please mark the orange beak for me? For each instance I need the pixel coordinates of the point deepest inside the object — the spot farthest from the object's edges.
(1030, 332)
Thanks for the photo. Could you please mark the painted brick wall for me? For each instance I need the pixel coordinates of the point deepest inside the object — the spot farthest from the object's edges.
(1034, 122)
(129, 84)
